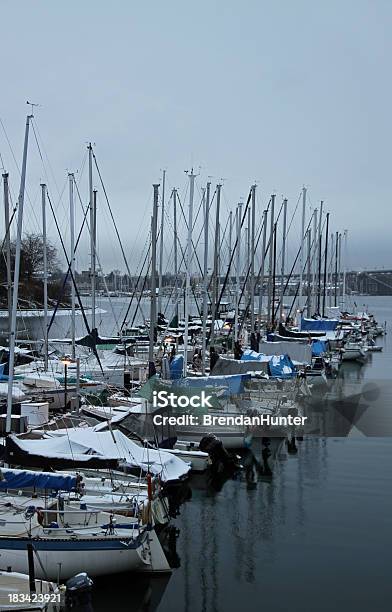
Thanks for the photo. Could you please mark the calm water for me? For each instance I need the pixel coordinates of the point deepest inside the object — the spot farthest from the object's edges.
(318, 537)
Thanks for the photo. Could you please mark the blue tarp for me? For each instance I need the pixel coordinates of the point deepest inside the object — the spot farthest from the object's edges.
(281, 366)
(320, 325)
(319, 347)
(23, 479)
(233, 384)
(176, 367)
(249, 355)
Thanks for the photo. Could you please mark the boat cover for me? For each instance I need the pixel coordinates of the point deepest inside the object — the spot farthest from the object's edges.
(319, 347)
(17, 394)
(281, 366)
(284, 332)
(319, 325)
(79, 446)
(297, 351)
(176, 367)
(22, 479)
(225, 366)
(233, 384)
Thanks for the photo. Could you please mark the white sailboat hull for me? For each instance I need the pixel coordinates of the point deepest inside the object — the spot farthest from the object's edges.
(60, 559)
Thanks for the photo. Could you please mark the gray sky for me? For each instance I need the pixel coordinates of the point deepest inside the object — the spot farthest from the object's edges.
(285, 93)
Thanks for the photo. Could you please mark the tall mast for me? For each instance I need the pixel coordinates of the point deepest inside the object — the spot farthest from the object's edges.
(188, 268)
(45, 279)
(8, 249)
(153, 288)
(325, 263)
(265, 219)
(339, 265)
(237, 271)
(271, 258)
(218, 263)
(282, 270)
(344, 270)
(215, 286)
(175, 252)
(93, 230)
(273, 280)
(301, 252)
(92, 233)
(319, 256)
(330, 292)
(205, 275)
(247, 268)
(230, 245)
(314, 261)
(336, 267)
(16, 277)
(309, 259)
(252, 261)
(72, 258)
(160, 288)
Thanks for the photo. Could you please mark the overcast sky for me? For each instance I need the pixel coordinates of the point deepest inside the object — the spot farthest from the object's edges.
(283, 93)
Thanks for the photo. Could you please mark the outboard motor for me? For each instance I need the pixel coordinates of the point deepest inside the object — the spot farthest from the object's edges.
(78, 592)
(218, 454)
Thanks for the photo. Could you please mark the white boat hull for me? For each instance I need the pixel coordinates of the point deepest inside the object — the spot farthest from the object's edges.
(59, 559)
(353, 355)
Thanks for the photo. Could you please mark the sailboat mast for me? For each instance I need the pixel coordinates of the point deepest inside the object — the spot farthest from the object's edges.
(336, 267)
(92, 232)
(215, 285)
(344, 270)
(45, 278)
(205, 275)
(309, 273)
(72, 258)
(16, 277)
(160, 288)
(237, 271)
(273, 280)
(8, 248)
(319, 257)
(188, 268)
(331, 272)
(271, 256)
(252, 261)
(230, 248)
(325, 263)
(301, 253)
(265, 220)
(339, 266)
(153, 290)
(314, 261)
(247, 268)
(282, 270)
(175, 252)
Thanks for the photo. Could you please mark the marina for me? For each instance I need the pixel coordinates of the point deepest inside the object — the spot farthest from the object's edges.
(195, 311)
